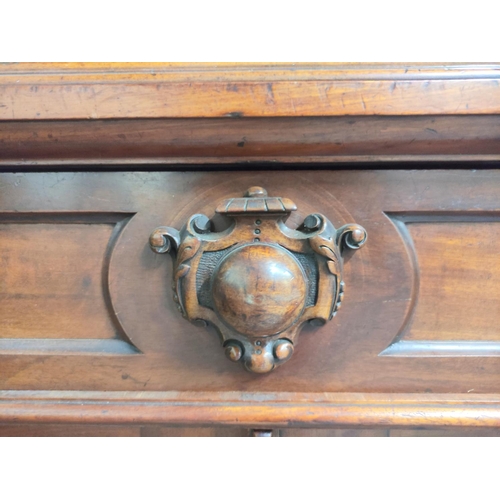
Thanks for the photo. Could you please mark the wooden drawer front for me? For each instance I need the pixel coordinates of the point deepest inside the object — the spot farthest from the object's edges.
(87, 306)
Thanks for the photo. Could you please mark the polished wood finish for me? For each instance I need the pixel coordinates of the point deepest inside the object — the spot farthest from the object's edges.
(120, 115)
(61, 430)
(344, 374)
(267, 410)
(89, 333)
(258, 282)
(79, 91)
(240, 143)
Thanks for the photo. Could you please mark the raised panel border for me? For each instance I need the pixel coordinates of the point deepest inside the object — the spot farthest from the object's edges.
(421, 348)
(121, 345)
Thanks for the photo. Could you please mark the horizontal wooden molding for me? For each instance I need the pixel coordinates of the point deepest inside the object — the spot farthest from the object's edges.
(242, 72)
(369, 139)
(66, 347)
(434, 348)
(106, 91)
(251, 409)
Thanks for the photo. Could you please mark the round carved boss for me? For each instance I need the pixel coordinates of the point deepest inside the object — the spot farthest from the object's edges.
(258, 282)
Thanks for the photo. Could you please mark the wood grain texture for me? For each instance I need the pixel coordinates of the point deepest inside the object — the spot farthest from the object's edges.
(61, 430)
(341, 356)
(454, 258)
(418, 432)
(219, 432)
(239, 142)
(337, 376)
(228, 71)
(79, 91)
(155, 431)
(91, 342)
(251, 410)
(43, 265)
(60, 271)
(258, 282)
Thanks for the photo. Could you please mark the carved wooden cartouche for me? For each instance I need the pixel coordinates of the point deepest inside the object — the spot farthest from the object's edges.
(258, 282)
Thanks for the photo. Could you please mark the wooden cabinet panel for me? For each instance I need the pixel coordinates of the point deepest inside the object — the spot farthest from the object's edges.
(61, 430)
(87, 306)
(54, 295)
(456, 280)
(90, 332)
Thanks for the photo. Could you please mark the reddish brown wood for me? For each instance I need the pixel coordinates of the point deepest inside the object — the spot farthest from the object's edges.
(61, 430)
(287, 296)
(266, 410)
(243, 142)
(162, 431)
(258, 282)
(77, 91)
(89, 333)
(345, 356)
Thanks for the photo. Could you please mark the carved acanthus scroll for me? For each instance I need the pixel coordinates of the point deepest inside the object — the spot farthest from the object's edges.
(258, 282)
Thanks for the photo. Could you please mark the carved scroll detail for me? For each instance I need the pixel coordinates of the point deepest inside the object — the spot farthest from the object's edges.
(266, 280)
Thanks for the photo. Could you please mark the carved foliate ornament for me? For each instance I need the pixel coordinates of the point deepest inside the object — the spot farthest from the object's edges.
(258, 282)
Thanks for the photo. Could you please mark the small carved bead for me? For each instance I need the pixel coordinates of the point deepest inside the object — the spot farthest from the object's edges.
(233, 351)
(283, 349)
(202, 224)
(159, 243)
(312, 222)
(157, 240)
(262, 363)
(357, 236)
(256, 192)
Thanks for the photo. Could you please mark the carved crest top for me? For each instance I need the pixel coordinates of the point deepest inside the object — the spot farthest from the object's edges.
(256, 201)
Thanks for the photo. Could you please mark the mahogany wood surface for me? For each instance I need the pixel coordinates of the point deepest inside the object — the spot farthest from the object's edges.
(125, 115)
(60, 430)
(94, 157)
(96, 91)
(258, 281)
(388, 359)
(240, 143)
